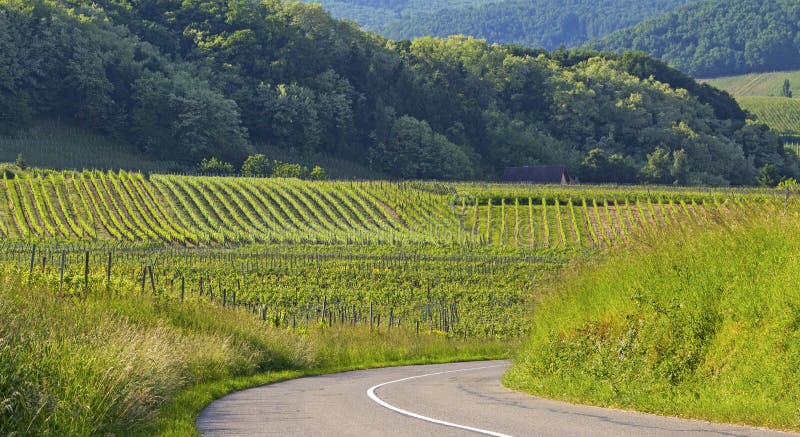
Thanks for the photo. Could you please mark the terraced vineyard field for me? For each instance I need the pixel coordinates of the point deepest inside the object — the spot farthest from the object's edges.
(191, 211)
(779, 113)
(756, 84)
(210, 211)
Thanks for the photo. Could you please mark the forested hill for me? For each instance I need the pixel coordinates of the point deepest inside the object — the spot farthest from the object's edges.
(533, 23)
(186, 80)
(719, 37)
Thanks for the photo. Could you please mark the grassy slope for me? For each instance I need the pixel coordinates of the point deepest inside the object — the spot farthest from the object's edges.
(53, 144)
(762, 84)
(701, 323)
(105, 365)
(779, 113)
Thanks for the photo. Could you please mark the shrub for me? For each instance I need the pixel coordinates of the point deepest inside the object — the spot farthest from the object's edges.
(20, 162)
(287, 170)
(318, 173)
(257, 165)
(214, 166)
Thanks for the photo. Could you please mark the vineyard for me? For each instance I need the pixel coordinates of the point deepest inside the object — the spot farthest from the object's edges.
(779, 113)
(757, 84)
(291, 275)
(121, 208)
(417, 255)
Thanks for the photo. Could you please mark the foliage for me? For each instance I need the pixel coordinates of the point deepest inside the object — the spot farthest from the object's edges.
(537, 23)
(718, 37)
(259, 75)
(413, 150)
(318, 174)
(768, 176)
(213, 166)
(257, 165)
(289, 170)
(20, 162)
(789, 185)
(786, 90)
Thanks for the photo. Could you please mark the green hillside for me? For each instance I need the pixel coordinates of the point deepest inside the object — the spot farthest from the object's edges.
(534, 23)
(718, 37)
(756, 84)
(779, 113)
(289, 77)
(64, 145)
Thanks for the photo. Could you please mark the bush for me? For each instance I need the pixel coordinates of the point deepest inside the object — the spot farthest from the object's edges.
(287, 170)
(318, 174)
(214, 166)
(257, 165)
(20, 162)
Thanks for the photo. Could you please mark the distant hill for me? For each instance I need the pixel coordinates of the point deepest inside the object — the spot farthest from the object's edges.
(533, 23)
(718, 37)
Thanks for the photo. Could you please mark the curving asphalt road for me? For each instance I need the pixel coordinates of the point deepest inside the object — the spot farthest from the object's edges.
(462, 399)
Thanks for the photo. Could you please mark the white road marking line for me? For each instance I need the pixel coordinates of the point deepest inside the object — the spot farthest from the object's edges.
(381, 402)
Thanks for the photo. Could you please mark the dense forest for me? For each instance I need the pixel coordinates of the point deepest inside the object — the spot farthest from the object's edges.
(534, 23)
(719, 37)
(190, 79)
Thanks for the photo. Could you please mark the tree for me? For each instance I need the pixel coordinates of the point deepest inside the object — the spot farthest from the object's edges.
(20, 162)
(768, 176)
(658, 165)
(680, 167)
(257, 165)
(415, 151)
(318, 173)
(786, 91)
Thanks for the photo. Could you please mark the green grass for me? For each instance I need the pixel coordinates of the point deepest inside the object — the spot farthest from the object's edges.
(702, 322)
(761, 84)
(60, 145)
(781, 114)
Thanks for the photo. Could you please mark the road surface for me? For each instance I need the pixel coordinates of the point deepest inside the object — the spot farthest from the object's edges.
(461, 399)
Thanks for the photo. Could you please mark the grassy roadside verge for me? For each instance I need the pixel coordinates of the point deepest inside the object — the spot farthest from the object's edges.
(133, 364)
(698, 322)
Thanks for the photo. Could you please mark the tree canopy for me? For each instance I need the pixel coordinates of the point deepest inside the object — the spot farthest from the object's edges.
(535, 23)
(191, 79)
(718, 37)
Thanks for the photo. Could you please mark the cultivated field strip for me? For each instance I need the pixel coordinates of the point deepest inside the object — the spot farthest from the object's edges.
(212, 211)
